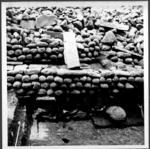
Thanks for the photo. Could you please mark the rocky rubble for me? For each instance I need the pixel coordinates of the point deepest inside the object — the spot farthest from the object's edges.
(96, 33)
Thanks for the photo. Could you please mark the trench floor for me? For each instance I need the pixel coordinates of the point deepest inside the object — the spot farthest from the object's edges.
(77, 132)
(83, 133)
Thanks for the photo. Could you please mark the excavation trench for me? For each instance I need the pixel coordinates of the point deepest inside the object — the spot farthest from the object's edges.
(46, 123)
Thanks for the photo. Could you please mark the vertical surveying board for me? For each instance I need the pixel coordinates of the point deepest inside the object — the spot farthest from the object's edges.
(70, 50)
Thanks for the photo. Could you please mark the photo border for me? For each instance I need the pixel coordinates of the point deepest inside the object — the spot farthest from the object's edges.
(4, 79)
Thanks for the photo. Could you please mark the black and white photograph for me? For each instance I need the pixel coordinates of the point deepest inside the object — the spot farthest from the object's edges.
(75, 74)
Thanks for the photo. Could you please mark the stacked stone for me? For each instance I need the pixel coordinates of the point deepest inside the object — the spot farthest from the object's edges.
(120, 41)
(112, 38)
(128, 50)
(96, 34)
(14, 44)
(37, 47)
(52, 81)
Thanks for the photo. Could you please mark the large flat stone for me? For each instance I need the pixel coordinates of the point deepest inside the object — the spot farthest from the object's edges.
(30, 24)
(112, 25)
(102, 122)
(109, 38)
(45, 21)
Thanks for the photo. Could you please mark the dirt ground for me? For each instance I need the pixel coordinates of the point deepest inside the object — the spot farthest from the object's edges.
(78, 132)
(83, 133)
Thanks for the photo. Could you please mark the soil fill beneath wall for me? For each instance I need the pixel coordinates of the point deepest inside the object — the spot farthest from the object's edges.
(80, 130)
(83, 133)
(96, 130)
